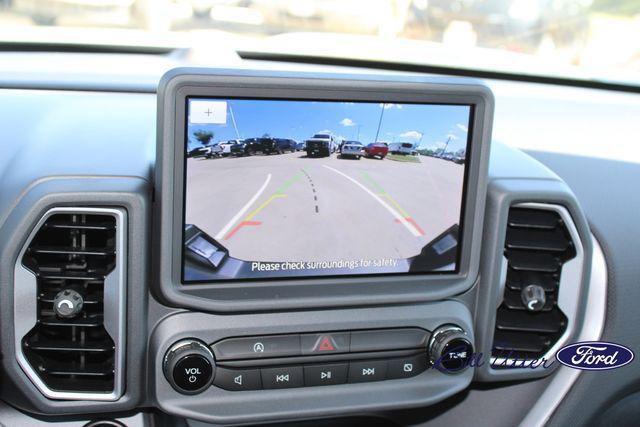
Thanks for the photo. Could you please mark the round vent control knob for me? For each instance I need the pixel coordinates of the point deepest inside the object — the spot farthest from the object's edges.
(450, 349)
(67, 303)
(189, 366)
(533, 297)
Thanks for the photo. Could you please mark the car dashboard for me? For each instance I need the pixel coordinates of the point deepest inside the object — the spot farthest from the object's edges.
(84, 155)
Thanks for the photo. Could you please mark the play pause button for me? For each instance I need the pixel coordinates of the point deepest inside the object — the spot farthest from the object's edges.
(325, 374)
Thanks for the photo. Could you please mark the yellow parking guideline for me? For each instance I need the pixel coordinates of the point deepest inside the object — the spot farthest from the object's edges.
(394, 203)
(383, 193)
(277, 195)
(263, 205)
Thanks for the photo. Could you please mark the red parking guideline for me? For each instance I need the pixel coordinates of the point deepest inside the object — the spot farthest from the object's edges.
(239, 226)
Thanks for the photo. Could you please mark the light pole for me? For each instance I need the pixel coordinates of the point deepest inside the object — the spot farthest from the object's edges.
(379, 122)
(233, 120)
(446, 144)
(417, 146)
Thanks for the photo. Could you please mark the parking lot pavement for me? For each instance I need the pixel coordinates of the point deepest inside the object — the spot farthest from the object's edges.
(293, 208)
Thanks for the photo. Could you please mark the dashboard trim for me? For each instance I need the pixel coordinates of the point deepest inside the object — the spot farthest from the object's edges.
(25, 286)
(569, 286)
(592, 328)
(502, 194)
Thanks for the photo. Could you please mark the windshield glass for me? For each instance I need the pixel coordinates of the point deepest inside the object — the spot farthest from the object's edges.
(582, 39)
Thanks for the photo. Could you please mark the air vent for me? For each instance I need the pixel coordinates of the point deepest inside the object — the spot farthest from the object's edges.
(75, 344)
(529, 321)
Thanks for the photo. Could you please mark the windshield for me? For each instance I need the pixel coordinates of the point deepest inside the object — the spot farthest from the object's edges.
(581, 39)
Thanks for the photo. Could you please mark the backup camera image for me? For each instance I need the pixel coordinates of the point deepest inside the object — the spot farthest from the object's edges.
(283, 189)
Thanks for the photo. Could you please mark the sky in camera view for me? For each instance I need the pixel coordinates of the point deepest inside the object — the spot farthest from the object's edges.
(428, 126)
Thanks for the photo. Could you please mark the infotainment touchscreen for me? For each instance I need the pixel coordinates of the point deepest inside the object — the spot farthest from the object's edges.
(299, 189)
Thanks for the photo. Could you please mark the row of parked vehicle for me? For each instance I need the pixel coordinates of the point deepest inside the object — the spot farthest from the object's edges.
(357, 150)
(452, 158)
(323, 145)
(320, 145)
(247, 147)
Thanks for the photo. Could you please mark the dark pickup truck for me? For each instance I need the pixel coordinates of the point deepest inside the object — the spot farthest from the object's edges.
(320, 145)
(260, 145)
(286, 145)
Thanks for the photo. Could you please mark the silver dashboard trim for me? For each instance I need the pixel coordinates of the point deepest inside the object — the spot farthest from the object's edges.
(592, 328)
(25, 315)
(569, 289)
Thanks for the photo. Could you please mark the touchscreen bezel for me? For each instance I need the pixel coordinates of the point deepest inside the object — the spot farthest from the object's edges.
(231, 295)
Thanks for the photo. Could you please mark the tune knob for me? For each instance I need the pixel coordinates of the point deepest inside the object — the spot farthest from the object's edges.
(450, 349)
(189, 366)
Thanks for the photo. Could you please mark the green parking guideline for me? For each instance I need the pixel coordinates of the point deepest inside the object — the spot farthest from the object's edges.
(377, 187)
(288, 184)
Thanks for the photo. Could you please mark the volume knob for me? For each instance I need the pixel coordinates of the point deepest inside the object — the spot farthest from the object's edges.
(450, 349)
(189, 366)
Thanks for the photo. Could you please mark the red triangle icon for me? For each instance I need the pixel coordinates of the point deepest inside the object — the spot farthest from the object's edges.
(326, 344)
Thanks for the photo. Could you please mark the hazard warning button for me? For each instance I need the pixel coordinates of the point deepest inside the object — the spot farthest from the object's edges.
(332, 342)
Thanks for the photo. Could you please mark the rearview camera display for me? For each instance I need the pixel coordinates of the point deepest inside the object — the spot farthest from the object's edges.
(295, 189)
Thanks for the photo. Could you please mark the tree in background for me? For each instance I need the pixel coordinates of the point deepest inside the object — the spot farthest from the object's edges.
(617, 7)
(203, 136)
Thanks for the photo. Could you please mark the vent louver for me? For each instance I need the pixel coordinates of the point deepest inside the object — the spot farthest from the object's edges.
(536, 247)
(71, 351)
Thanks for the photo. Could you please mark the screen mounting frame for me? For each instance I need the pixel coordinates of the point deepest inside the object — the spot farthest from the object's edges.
(272, 294)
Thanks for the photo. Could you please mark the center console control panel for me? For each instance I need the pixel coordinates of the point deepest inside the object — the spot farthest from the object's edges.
(326, 358)
(268, 367)
(313, 359)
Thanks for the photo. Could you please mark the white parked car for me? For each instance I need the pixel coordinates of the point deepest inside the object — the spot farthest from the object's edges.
(352, 149)
(401, 148)
(214, 150)
(226, 146)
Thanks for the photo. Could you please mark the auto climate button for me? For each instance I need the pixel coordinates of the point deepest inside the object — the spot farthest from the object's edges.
(257, 347)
